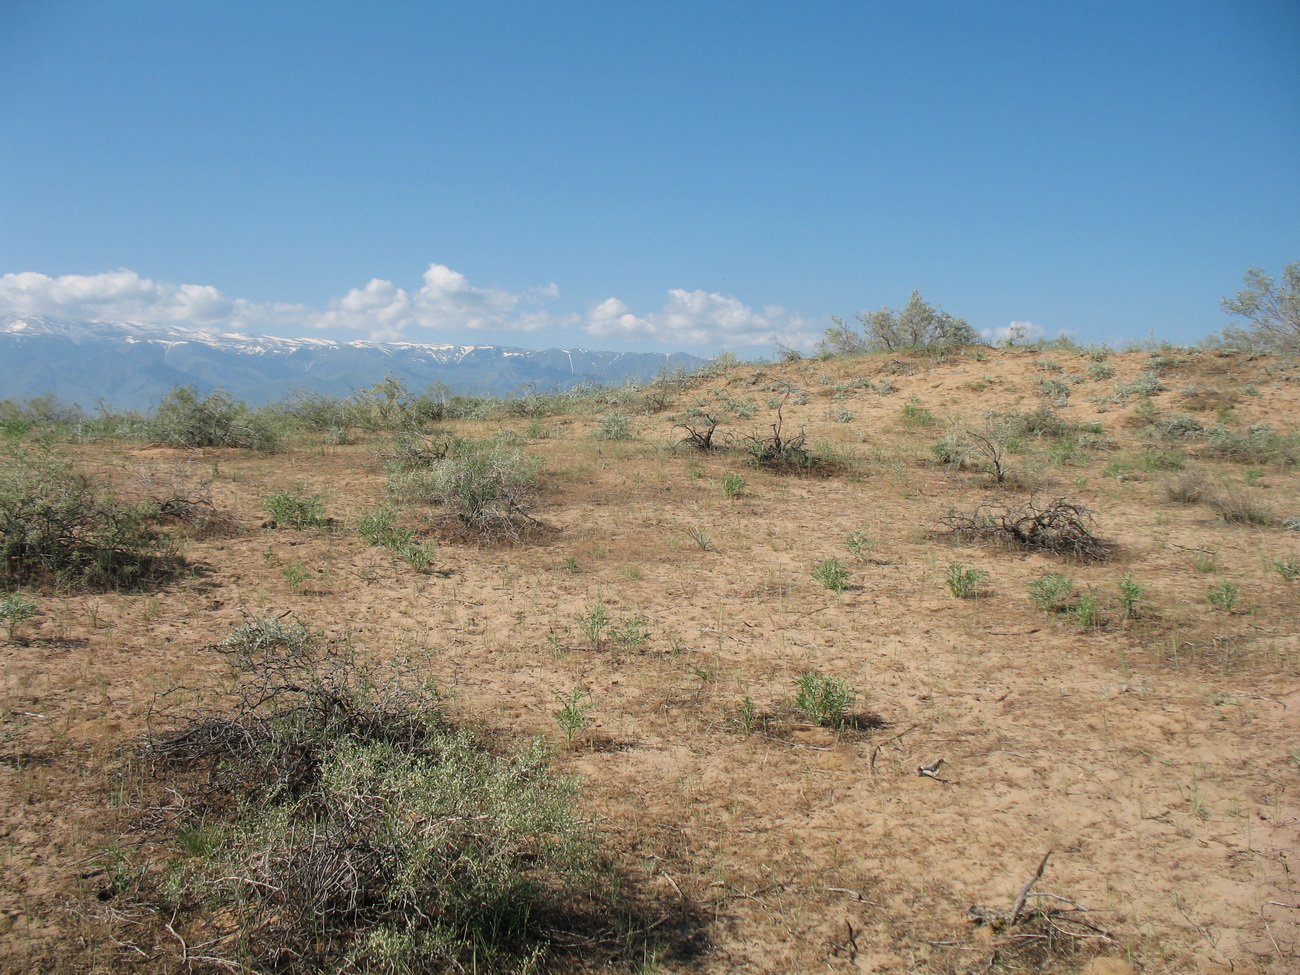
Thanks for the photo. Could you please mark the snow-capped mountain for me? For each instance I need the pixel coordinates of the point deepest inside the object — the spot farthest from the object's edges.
(131, 365)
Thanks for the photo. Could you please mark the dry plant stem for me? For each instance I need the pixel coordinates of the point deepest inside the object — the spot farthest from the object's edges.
(1024, 891)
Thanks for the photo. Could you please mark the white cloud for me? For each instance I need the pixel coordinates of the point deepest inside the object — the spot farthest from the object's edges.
(122, 294)
(445, 302)
(701, 319)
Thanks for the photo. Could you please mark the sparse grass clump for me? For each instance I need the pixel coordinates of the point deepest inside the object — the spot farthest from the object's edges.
(963, 582)
(832, 574)
(616, 425)
(825, 701)
(1053, 593)
(380, 527)
(1223, 597)
(733, 485)
(294, 508)
(1237, 509)
(15, 609)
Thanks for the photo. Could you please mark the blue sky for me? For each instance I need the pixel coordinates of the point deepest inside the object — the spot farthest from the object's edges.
(644, 175)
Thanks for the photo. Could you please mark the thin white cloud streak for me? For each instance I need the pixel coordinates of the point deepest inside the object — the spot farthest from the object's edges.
(444, 302)
(702, 319)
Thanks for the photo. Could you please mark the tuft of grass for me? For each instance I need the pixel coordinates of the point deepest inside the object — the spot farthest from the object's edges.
(916, 414)
(1288, 569)
(1087, 612)
(825, 701)
(1053, 593)
(832, 574)
(1132, 593)
(1235, 509)
(859, 543)
(964, 583)
(1222, 597)
(702, 537)
(16, 609)
(294, 508)
(572, 715)
(733, 485)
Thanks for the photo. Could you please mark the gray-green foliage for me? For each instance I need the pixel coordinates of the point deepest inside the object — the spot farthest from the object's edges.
(616, 425)
(917, 325)
(186, 419)
(59, 524)
(1270, 308)
(485, 484)
(362, 832)
(825, 701)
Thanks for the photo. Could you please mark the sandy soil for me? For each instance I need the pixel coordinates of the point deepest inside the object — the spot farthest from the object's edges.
(1157, 758)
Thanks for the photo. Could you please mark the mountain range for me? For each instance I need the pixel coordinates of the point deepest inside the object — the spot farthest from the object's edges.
(132, 365)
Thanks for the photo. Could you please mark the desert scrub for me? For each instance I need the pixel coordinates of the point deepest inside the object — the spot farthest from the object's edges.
(57, 524)
(832, 574)
(733, 485)
(616, 425)
(295, 508)
(825, 701)
(357, 830)
(185, 419)
(1061, 526)
(488, 487)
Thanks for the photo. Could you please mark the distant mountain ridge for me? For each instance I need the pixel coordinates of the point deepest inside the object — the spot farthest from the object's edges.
(132, 365)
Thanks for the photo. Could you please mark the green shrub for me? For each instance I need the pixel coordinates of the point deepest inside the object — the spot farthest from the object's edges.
(832, 574)
(58, 524)
(1087, 612)
(825, 701)
(1223, 596)
(1132, 592)
(15, 609)
(1052, 592)
(859, 543)
(361, 832)
(184, 419)
(487, 486)
(964, 583)
(292, 508)
(615, 426)
(379, 527)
